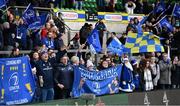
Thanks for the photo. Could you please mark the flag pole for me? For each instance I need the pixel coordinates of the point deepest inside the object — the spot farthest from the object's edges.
(159, 21)
(173, 9)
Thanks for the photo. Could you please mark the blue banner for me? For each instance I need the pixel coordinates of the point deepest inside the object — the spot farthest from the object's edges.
(17, 84)
(96, 82)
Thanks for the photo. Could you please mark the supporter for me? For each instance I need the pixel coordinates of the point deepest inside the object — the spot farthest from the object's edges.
(61, 52)
(113, 34)
(81, 62)
(74, 42)
(165, 72)
(139, 7)
(158, 57)
(101, 27)
(9, 37)
(45, 73)
(155, 72)
(90, 65)
(136, 21)
(110, 5)
(122, 39)
(109, 60)
(59, 23)
(49, 41)
(137, 75)
(175, 73)
(15, 52)
(52, 56)
(75, 60)
(130, 26)
(58, 42)
(55, 31)
(148, 81)
(130, 6)
(126, 84)
(34, 58)
(103, 65)
(176, 43)
(63, 78)
(45, 30)
(84, 32)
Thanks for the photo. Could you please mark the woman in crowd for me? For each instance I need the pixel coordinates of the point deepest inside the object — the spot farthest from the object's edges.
(176, 73)
(155, 72)
(103, 65)
(148, 83)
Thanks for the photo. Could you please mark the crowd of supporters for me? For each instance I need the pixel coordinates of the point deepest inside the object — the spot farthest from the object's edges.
(54, 71)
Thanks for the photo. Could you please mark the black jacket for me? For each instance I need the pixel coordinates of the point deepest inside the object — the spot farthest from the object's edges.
(45, 69)
(64, 74)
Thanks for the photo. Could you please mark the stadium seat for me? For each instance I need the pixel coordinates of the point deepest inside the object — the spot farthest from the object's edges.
(90, 5)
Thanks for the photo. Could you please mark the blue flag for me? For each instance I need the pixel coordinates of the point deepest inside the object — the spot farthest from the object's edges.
(164, 22)
(41, 20)
(94, 43)
(17, 83)
(29, 15)
(176, 11)
(22, 35)
(115, 46)
(160, 7)
(143, 20)
(2, 3)
(99, 83)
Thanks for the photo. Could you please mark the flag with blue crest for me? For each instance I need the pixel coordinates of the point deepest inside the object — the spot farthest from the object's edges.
(145, 43)
(41, 20)
(29, 15)
(2, 3)
(176, 11)
(17, 82)
(164, 22)
(115, 46)
(94, 42)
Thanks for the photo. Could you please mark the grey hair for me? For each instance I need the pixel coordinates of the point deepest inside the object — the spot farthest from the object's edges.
(6, 25)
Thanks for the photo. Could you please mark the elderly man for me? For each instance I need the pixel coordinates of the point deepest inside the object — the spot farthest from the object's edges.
(63, 78)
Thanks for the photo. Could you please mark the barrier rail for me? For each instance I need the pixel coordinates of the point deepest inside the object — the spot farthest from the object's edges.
(29, 51)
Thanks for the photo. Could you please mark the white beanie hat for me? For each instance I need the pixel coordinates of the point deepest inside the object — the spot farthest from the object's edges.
(89, 63)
